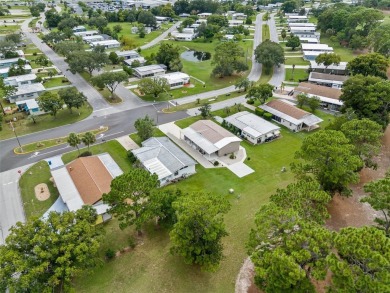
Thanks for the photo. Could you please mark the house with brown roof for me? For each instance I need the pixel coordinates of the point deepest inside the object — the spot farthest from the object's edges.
(85, 180)
(210, 139)
(287, 114)
(329, 97)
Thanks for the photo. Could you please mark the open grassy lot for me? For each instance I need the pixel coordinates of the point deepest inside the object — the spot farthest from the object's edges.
(10, 29)
(201, 70)
(43, 122)
(150, 267)
(56, 81)
(126, 31)
(296, 61)
(299, 74)
(30, 49)
(346, 54)
(40, 173)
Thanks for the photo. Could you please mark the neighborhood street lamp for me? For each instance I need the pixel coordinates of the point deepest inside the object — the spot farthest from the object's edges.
(17, 138)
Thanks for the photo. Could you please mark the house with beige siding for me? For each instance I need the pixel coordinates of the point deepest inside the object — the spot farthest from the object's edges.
(210, 139)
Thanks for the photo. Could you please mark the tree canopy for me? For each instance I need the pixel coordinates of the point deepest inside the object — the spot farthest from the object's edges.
(329, 156)
(269, 54)
(262, 92)
(197, 234)
(166, 54)
(328, 59)
(373, 64)
(49, 253)
(144, 127)
(50, 102)
(153, 86)
(228, 59)
(293, 42)
(111, 80)
(72, 98)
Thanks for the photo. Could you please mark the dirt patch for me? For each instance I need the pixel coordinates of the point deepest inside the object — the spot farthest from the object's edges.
(350, 211)
(138, 92)
(42, 192)
(244, 281)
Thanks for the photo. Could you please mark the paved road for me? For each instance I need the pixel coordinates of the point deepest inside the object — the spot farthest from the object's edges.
(161, 37)
(254, 74)
(94, 97)
(279, 72)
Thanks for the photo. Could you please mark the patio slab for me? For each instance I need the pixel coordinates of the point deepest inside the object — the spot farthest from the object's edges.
(240, 169)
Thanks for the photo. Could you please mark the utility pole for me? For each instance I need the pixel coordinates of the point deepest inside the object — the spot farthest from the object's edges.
(17, 138)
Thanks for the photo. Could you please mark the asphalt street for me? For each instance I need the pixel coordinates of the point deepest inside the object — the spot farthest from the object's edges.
(279, 72)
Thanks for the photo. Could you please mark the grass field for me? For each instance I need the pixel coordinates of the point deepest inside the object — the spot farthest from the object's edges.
(346, 54)
(296, 61)
(265, 32)
(126, 30)
(56, 81)
(298, 74)
(44, 122)
(10, 29)
(201, 70)
(40, 173)
(150, 267)
(105, 92)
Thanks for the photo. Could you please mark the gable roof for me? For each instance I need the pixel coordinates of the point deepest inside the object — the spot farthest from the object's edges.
(319, 90)
(161, 156)
(91, 178)
(209, 136)
(251, 123)
(287, 109)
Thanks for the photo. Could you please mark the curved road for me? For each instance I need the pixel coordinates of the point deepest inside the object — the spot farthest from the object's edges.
(279, 72)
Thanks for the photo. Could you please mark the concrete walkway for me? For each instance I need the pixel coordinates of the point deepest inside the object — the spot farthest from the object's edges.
(173, 132)
(298, 66)
(127, 143)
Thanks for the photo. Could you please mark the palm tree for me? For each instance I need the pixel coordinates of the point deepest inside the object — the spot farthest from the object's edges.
(74, 140)
(292, 73)
(88, 139)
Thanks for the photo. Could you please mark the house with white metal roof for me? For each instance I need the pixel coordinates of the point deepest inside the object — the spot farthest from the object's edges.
(27, 92)
(30, 106)
(9, 62)
(79, 28)
(252, 127)
(210, 139)
(4, 71)
(86, 33)
(20, 79)
(93, 38)
(287, 114)
(175, 79)
(106, 44)
(340, 69)
(329, 80)
(149, 70)
(160, 156)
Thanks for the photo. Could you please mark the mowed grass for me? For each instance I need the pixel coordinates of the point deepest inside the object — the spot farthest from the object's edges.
(296, 61)
(126, 31)
(43, 122)
(345, 53)
(54, 82)
(201, 70)
(40, 173)
(265, 32)
(150, 267)
(299, 74)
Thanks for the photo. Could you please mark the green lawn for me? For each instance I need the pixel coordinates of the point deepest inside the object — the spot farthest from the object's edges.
(5, 30)
(200, 70)
(56, 81)
(113, 147)
(265, 32)
(298, 74)
(30, 49)
(296, 61)
(40, 173)
(126, 30)
(26, 126)
(156, 133)
(150, 267)
(265, 77)
(346, 54)
(104, 92)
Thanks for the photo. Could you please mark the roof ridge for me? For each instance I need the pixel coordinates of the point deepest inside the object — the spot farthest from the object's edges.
(93, 179)
(170, 152)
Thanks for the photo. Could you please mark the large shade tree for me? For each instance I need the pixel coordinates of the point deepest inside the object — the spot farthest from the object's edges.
(329, 157)
(110, 80)
(197, 234)
(373, 64)
(228, 59)
(129, 197)
(44, 255)
(269, 54)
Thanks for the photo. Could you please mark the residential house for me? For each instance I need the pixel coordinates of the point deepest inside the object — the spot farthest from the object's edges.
(160, 156)
(252, 127)
(30, 106)
(147, 30)
(19, 52)
(86, 33)
(329, 80)
(210, 139)
(297, 18)
(235, 22)
(4, 71)
(184, 15)
(84, 181)
(239, 16)
(149, 70)
(162, 19)
(329, 97)
(204, 15)
(176, 79)
(130, 56)
(108, 44)
(4, 63)
(27, 92)
(93, 38)
(20, 79)
(185, 35)
(305, 32)
(317, 48)
(309, 40)
(287, 114)
(301, 24)
(79, 28)
(340, 69)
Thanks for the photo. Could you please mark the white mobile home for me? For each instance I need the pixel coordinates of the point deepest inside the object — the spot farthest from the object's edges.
(86, 33)
(176, 79)
(27, 92)
(150, 70)
(20, 79)
(107, 44)
(93, 38)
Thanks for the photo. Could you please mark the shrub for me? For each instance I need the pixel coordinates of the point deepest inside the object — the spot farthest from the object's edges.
(259, 112)
(232, 156)
(248, 158)
(39, 70)
(131, 157)
(35, 54)
(64, 80)
(267, 116)
(216, 163)
(250, 102)
(110, 253)
(131, 242)
(85, 154)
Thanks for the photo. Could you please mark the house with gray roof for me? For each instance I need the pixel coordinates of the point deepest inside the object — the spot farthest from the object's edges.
(252, 127)
(160, 156)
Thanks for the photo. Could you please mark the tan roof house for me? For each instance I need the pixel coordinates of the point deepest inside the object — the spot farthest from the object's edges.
(210, 139)
(329, 97)
(287, 114)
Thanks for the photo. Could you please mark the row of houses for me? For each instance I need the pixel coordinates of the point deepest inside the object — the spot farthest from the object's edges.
(93, 38)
